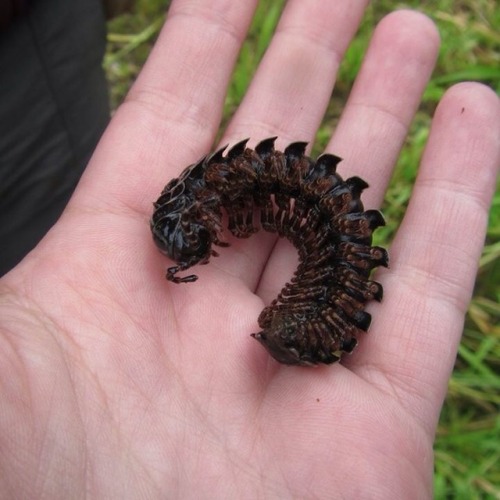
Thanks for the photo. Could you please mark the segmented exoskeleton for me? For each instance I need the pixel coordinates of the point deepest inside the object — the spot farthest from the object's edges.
(320, 312)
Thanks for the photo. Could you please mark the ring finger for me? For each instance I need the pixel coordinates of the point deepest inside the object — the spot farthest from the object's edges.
(376, 118)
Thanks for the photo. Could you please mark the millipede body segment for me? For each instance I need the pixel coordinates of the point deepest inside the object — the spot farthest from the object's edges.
(319, 314)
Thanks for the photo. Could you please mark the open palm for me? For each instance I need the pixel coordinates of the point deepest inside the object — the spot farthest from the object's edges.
(118, 384)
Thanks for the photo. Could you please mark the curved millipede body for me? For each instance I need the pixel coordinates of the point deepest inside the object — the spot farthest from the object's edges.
(320, 312)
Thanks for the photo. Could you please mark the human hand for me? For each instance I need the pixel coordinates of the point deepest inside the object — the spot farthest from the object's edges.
(116, 383)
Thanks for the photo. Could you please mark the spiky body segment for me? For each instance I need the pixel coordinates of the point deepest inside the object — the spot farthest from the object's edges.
(320, 313)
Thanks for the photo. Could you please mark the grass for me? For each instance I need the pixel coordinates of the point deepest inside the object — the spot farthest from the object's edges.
(467, 448)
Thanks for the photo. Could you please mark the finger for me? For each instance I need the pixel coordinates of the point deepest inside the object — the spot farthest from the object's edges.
(376, 118)
(384, 99)
(434, 257)
(288, 97)
(292, 87)
(171, 114)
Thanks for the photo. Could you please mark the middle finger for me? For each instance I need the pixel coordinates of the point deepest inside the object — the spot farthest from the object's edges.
(288, 97)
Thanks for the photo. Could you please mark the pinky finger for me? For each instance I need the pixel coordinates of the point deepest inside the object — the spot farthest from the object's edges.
(435, 254)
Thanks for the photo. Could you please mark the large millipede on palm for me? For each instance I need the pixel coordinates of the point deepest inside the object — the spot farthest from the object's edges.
(320, 312)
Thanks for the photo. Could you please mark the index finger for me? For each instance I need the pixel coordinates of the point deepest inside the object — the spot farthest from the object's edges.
(171, 115)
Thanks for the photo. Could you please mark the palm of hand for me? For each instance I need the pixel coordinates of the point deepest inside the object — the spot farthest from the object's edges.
(131, 386)
(165, 382)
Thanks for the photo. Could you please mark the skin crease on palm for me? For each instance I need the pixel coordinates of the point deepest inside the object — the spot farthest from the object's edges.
(118, 384)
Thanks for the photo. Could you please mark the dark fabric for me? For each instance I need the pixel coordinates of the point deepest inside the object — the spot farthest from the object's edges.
(53, 110)
(9, 10)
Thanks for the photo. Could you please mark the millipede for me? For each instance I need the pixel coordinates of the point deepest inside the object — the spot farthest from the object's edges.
(319, 313)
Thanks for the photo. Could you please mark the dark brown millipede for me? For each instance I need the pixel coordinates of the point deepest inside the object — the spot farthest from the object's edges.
(319, 314)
